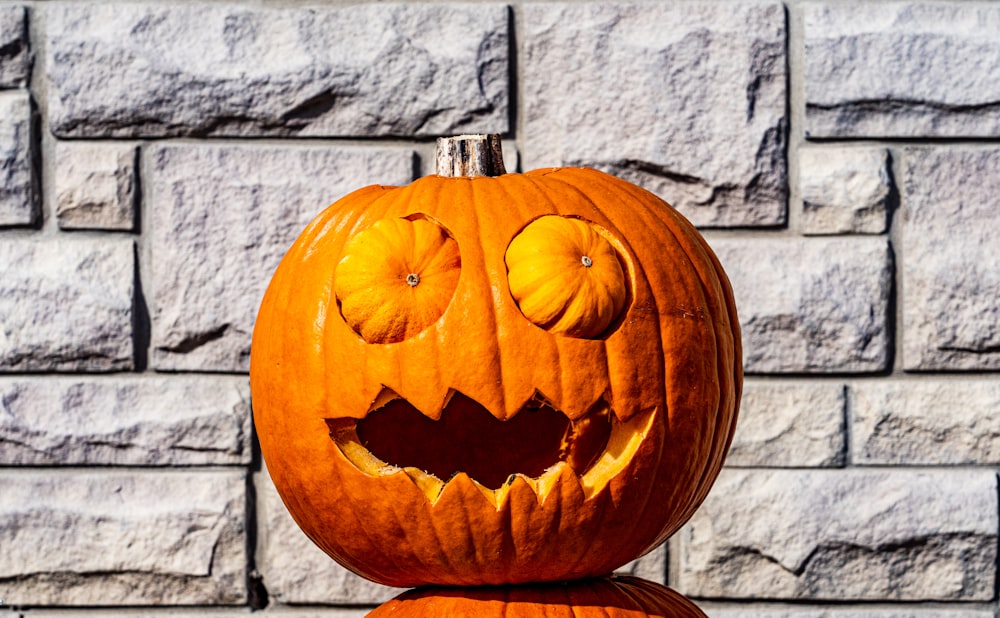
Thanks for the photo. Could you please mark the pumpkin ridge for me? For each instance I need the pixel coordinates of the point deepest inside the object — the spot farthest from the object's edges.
(718, 451)
(583, 202)
(691, 249)
(372, 572)
(557, 175)
(653, 299)
(362, 213)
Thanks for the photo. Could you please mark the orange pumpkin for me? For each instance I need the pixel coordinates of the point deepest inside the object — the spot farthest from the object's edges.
(611, 597)
(492, 380)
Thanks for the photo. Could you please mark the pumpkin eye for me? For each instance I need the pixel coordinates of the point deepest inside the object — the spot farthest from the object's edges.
(566, 277)
(396, 278)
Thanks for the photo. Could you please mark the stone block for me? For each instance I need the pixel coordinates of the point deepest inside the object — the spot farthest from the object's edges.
(810, 306)
(96, 185)
(103, 538)
(363, 70)
(789, 424)
(845, 190)
(685, 99)
(875, 534)
(125, 420)
(294, 570)
(66, 305)
(902, 69)
(935, 422)
(18, 181)
(951, 270)
(652, 566)
(15, 56)
(222, 218)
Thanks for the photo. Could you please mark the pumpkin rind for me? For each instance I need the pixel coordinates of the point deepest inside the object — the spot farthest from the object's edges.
(674, 356)
(612, 597)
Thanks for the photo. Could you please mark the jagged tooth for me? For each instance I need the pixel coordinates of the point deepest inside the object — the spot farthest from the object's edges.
(430, 408)
(431, 485)
(550, 478)
(384, 397)
(463, 484)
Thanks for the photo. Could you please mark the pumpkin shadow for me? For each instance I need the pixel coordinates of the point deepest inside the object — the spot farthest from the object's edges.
(605, 597)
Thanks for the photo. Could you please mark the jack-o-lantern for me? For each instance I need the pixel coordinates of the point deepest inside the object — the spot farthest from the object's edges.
(495, 379)
(609, 597)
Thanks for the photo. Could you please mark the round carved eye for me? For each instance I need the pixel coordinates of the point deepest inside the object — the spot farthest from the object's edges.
(396, 278)
(566, 277)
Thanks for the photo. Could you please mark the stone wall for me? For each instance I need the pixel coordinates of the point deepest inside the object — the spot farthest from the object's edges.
(158, 158)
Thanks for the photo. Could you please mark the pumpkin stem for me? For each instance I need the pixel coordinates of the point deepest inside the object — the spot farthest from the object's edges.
(470, 155)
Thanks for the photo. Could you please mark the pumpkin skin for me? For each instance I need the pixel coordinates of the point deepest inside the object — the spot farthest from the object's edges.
(610, 597)
(666, 373)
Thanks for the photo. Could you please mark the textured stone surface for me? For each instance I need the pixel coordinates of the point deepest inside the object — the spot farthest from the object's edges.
(815, 305)
(294, 570)
(127, 420)
(717, 611)
(123, 538)
(842, 535)
(686, 99)
(17, 178)
(787, 424)
(925, 422)
(902, 69)
(652, 566)
(222, 218)
(15, 57)
(393, 69)
(66, 305)
(951, 266)
(844, 190)
(96, 185)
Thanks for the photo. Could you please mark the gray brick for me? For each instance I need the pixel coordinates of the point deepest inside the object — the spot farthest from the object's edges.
(96, 186)
(902, 69)
(18, 190)
(123, 538)
(817, 305)
(125, 420)
(951, 265)
(844, 535)
(789, 424)
(651, 567)
(844, 190)
(66, 305)
(364, 70)
(295, 571)
(15, 56)
(925, 422)
(685, 99)
(222, 218)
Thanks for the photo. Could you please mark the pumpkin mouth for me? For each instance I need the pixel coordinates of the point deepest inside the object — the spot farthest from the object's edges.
(537, 444)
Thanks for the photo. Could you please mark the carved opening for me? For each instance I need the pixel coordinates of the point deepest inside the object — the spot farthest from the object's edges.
(469, 439)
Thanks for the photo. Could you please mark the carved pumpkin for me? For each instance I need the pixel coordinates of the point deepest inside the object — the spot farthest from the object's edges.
(491, 380)
(613, 597)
